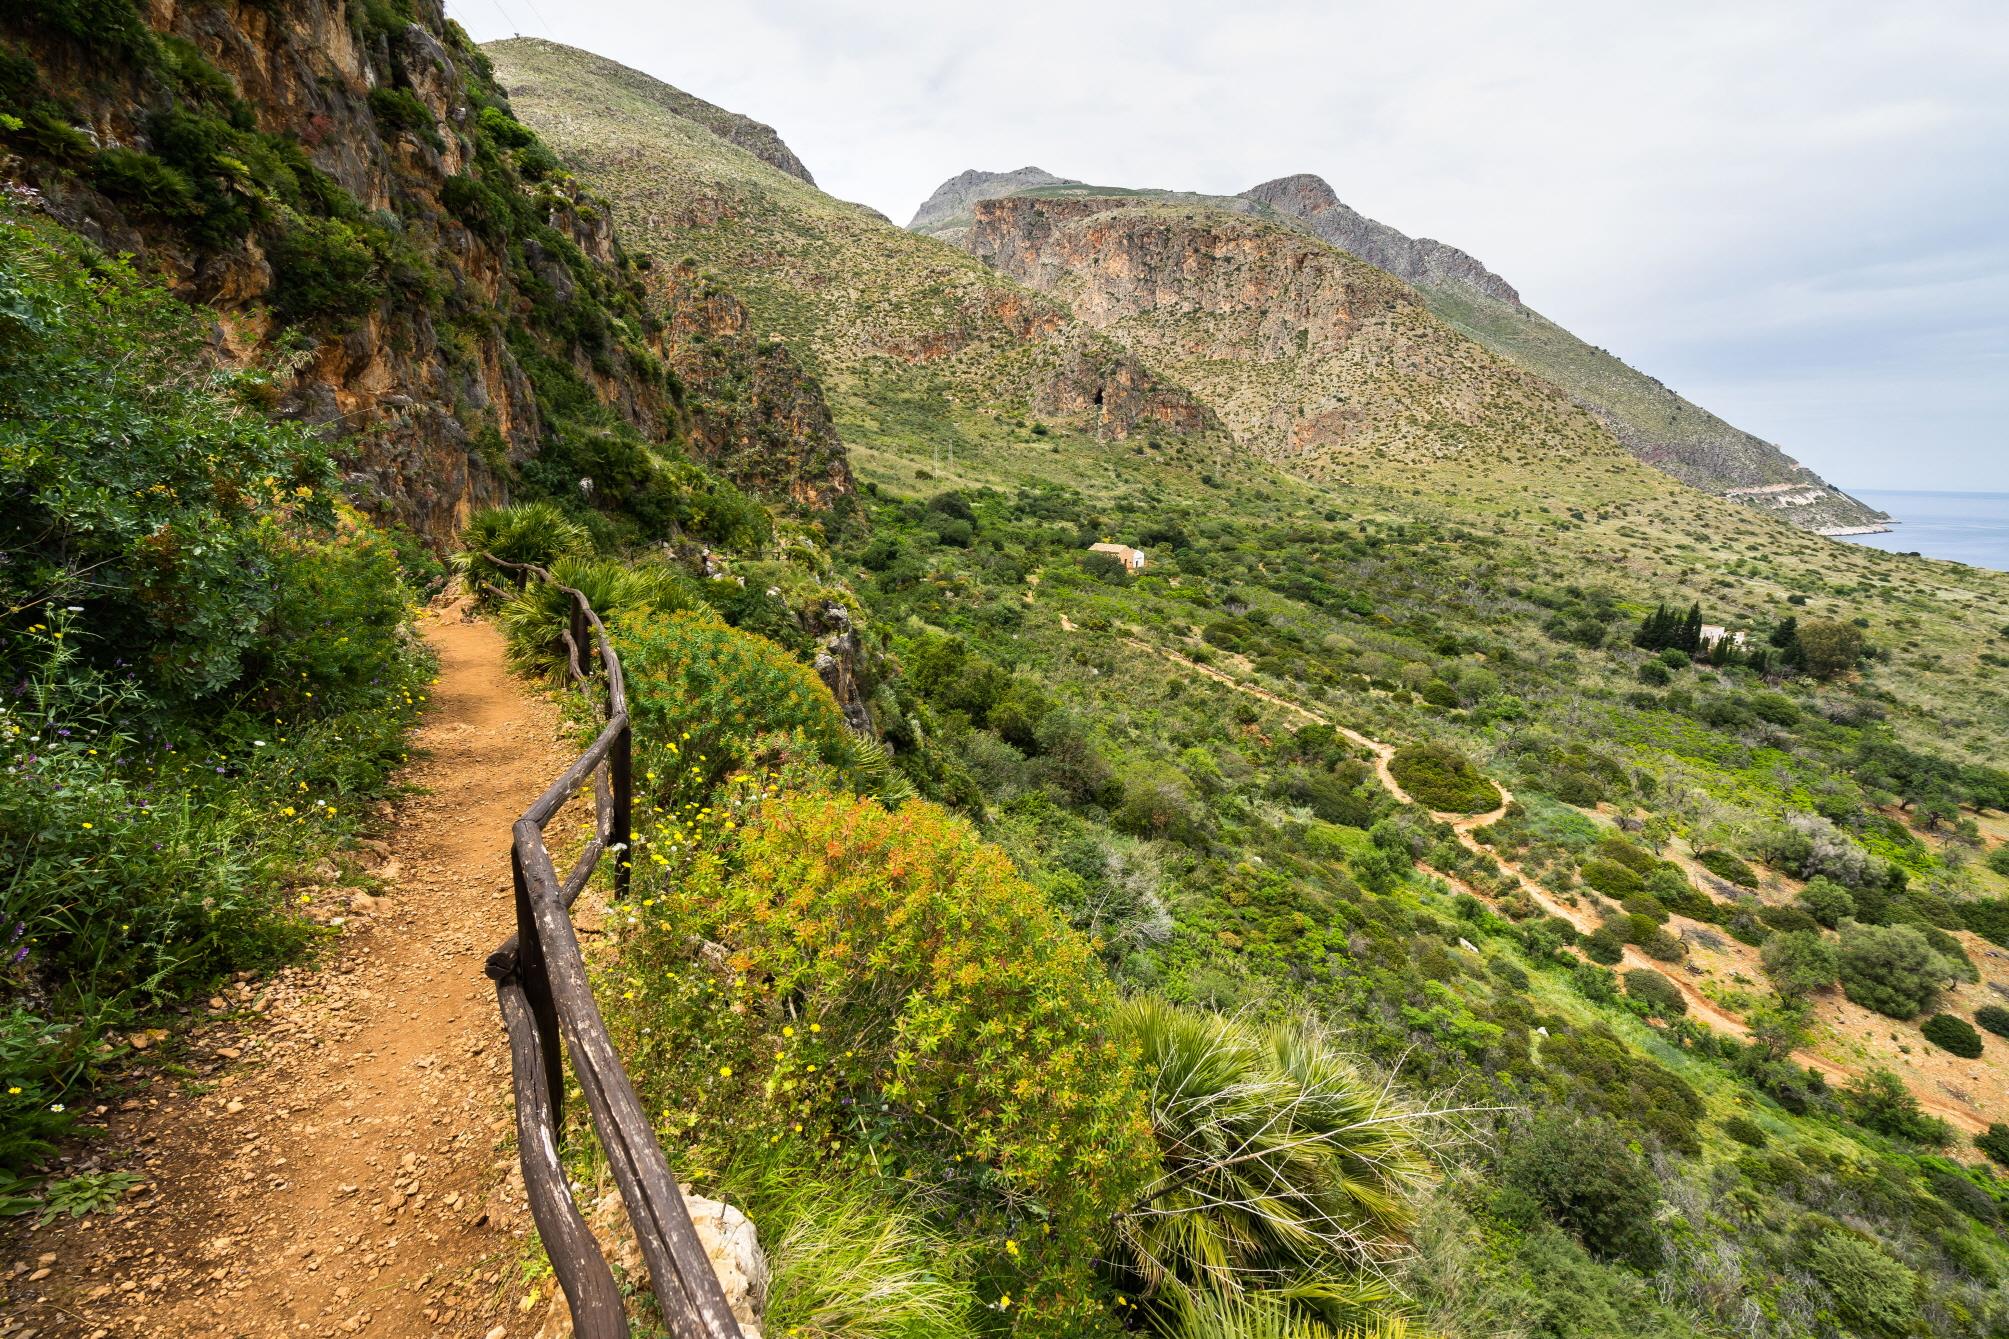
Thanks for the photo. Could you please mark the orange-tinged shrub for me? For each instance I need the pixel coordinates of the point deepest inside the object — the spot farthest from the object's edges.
(882, 988)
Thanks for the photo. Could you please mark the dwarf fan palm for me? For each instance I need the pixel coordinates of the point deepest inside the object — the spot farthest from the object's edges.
(1284, 1169)
(525, 532)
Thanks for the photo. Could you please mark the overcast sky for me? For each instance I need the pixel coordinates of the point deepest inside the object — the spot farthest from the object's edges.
(1795, 214)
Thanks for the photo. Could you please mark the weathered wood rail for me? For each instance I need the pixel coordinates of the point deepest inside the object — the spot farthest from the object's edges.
(541, 987)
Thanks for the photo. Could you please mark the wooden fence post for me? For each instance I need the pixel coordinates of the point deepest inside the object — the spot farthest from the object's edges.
(535, 977)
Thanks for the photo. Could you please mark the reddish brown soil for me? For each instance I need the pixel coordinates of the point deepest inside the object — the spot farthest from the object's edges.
(343, 1165)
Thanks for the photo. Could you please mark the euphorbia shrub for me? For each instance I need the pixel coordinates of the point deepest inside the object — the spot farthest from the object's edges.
(881, 988)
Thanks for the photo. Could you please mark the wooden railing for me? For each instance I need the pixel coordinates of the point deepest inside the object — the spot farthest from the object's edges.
(541, 986)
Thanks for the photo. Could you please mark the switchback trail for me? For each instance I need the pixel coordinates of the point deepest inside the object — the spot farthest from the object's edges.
(1700, 1006)
(343, 1166)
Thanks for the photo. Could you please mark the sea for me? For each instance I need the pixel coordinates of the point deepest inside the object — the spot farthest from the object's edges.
(1970, 528)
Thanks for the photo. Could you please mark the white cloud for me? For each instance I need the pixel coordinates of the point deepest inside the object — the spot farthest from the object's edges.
(1720, 192)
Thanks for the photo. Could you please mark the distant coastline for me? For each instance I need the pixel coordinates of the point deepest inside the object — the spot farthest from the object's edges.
(1971, 528)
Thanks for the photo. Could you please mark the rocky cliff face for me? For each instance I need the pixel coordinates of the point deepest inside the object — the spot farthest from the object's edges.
(1419, 260)
(343, 183)
(1307, 354)
(946, 213)
(751, 408)
(1652, 421)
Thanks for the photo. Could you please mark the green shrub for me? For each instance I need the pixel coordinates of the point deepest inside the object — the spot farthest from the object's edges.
(1994, 1141)
(134, 490)
(537, 533)
(843, 1258)
(1879, 1101)
(1998, 860)
(1581, 1174)
(398, 109)
(1994, 1018)
(205, 671)
(1800, 962)
(886, 997)
(1827, 902)
(1281, 1162)
(1441, 780)
(1626, 1086)
(536, 619)
(323, 269)
(1660, 996)
(1603, 945)
(1889, 968)
(1788, 920)
(1745, 1131)
(1953, 1034)
(1873, 1293)
(703, 696)
(1728, 867)
(143, 183)
(1611, 878)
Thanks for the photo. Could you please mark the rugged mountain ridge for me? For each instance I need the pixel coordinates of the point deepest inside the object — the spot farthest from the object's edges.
(946, 213)
(1310, 356)
(879, 315)
(1652, 422)
(345, 187)
(1419, 260)
(756, 137)
(1655, 424)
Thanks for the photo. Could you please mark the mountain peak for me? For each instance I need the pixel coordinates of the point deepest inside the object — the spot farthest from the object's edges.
(1418, 260)
(1300, 194)
(947, 209)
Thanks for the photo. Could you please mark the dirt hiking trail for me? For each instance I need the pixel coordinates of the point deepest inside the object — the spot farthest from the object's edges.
(342, 1167)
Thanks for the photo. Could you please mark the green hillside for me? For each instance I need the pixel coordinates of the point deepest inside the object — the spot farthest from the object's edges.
(1656, 424)
(892, 324)
(1176, 791)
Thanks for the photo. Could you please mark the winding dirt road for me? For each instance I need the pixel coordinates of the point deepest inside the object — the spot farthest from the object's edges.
(338, 1163)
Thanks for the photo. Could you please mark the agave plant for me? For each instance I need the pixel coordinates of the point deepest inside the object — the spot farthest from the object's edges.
(536, 617)
(1285, 1171)
(524, 532)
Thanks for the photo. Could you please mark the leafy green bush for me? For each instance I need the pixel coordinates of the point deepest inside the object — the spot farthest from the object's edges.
(1660, 996)
(537, 533)
(1800, 962)
(135, 489)
(1727, 866)
(1745, 1131)
(1611, 878)
(1953, 1034)
(1604, 945)
(144, 183)
(398, 109)
(1580, 1173)
(1994, 1141)
(1889, 968)
(535, 621)
(886, 995)
(1879, 1101)
(1873, 1293)
(703, 696)
(1827, 902)
(205, 670)
(1994, 1018)
(324, 269)
(1442, 780)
